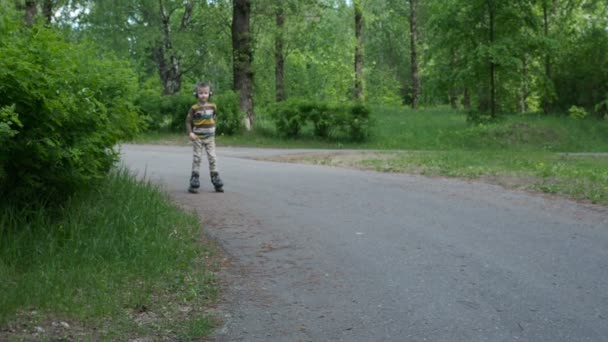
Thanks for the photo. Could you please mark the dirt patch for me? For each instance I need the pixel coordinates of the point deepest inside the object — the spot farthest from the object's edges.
(347, 159)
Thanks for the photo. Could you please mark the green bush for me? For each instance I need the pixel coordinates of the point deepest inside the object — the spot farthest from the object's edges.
(229, 115)
(480, 118)
(288, 117)
(175, 108)
(359, 122)
(342, 121)
(74, 106)
(577, 112)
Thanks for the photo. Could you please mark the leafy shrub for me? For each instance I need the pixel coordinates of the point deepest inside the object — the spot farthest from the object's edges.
(175, 108)
(343, 121)
(601, 108)
(577, 113)
(480, 118)
(288, 117)
(359, 122)
(74, 106)
(229, 117)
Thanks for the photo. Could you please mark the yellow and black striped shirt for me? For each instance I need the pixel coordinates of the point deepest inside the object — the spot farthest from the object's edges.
(201, 120)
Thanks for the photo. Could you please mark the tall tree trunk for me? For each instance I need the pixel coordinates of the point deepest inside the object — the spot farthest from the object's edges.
(169, 66)
(242, 56)
(525, 89)
(279, 55)
(47, 10)
(492, 64)
(453, 97)
(548, 77)
(466, 99)
(31, 10)
(453, 90)
(413, 52)
(358, 50)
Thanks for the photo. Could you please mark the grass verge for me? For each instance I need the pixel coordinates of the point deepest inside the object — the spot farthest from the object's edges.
(579, 177)
(116, 263)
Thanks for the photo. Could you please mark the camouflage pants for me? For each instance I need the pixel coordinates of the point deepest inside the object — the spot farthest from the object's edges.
(209, 145)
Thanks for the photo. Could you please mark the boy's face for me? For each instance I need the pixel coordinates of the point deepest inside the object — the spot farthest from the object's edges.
(203, 94)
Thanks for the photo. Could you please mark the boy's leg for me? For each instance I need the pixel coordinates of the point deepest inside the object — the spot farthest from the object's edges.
(209, 144)
(197, 154)
(213, 170)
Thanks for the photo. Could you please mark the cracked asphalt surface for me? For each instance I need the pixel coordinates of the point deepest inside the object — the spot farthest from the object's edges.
(330, 254)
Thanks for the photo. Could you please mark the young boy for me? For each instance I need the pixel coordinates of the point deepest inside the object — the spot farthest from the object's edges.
(200, 125)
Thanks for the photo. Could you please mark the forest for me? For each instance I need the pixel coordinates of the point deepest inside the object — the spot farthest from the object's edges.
(488, 55)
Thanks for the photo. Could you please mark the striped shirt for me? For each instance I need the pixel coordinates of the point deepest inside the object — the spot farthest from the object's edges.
(201, 120)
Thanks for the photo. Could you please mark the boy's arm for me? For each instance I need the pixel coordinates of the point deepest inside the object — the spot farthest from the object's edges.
(189, 121)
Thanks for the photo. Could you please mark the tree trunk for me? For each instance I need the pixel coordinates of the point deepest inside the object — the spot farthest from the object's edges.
(492, 64)
(453, 90)
(169, 66)
(242, 56)
(466, 99)
(31, 10)
(47, 11)
(546, 99)
(279, 55)
(413, 54)
(453, 98)
(358, 50)
(525, 89)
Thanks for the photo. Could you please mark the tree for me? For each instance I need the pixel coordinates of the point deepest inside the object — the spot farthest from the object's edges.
(413, 52)
(168, 59)
(31, 10)
(242, 46)
(358, 49)
(279, 52)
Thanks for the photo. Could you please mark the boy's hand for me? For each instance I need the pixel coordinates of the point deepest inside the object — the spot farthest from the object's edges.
(192, 136)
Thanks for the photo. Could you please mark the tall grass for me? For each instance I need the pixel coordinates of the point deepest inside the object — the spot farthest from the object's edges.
(446, 129)
(105, 254)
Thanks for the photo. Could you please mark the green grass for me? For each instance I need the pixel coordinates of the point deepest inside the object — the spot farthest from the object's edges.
(119, 261)
(575, 176)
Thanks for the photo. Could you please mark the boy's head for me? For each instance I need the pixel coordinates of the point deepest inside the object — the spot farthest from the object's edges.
(202, 91)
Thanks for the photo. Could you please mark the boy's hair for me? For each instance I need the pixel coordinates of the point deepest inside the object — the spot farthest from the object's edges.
(202, 85)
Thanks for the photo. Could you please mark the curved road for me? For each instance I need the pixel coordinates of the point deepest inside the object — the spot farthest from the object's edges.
(329, 254)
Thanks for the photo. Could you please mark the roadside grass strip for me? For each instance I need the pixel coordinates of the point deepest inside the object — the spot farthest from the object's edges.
(580, 177)
(119, 262)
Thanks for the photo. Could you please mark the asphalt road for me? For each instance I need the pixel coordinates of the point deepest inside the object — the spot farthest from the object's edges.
(329, 254)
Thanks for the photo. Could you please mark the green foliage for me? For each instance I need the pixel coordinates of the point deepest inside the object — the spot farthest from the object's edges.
(581, 71)
(74, 106)
(577, 112)
(602, 108)
(229, 115)
(288, 117)
(8, 119)
(342, 122)
(164, 111)
(480, 118)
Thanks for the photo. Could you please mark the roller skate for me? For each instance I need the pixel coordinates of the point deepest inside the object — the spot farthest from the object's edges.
(217, 182)
(194, 183)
